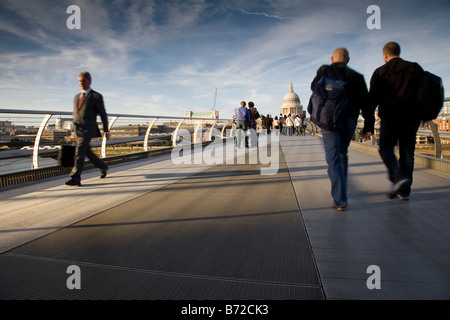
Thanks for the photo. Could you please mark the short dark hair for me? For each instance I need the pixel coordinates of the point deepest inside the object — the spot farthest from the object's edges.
(392, 49)
(86, 74)
(251, 104)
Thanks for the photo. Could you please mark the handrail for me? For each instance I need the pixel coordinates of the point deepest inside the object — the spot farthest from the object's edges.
(114, 116)
(67, 113)
(314, 129)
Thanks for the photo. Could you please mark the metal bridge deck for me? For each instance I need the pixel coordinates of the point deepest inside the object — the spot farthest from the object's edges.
(154, 230)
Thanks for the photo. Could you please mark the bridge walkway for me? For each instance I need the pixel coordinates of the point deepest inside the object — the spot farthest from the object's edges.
(156, 230)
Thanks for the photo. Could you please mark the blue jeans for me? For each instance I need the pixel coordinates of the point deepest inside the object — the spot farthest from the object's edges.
(241, 130)
(290, 130)
(405, 136)
(336, 145)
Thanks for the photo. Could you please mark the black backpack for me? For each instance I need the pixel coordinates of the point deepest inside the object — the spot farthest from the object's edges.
(430, 96)
(329, 102)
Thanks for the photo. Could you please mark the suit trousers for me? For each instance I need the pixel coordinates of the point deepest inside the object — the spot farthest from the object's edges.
(83, 150)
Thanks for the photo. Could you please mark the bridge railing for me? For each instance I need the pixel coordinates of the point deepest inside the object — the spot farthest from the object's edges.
(124, 128)
(427, 130)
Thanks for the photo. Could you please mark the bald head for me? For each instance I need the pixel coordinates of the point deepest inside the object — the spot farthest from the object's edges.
(340, 55)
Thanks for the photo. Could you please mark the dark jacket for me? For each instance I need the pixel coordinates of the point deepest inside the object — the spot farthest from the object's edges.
(393, 88)
(357, 91)
(254, 115)
(85, 118)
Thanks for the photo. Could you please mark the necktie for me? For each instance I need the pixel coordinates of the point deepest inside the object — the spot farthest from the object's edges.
(80, 100)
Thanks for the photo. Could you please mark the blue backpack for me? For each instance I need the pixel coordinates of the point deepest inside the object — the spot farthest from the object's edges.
(329, 102)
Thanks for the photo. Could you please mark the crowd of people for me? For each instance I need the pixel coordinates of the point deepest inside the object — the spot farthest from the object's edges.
(248, 119)
(291, 125)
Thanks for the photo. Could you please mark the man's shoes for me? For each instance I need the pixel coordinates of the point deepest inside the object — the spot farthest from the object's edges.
(403, 197)
(73, 183)
(399, 188)
(104, 173)
(339, 208)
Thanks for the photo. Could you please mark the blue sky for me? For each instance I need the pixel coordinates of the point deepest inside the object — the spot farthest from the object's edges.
(164, 57)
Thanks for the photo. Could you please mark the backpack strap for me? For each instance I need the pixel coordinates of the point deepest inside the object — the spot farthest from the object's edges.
(330, 72)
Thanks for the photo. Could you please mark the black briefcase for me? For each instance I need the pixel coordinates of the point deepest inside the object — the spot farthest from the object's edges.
(66, 156)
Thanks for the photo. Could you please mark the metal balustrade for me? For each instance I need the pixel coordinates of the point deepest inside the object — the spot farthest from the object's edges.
(315, 130)
(201, 130)
(113, 118)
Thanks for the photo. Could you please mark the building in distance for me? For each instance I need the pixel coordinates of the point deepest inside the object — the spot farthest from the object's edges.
(213, 115)
(291, 103)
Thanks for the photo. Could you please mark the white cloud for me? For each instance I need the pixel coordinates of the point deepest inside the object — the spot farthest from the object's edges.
(171, 55)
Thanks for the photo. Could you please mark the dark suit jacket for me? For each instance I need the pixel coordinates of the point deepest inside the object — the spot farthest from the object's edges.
(85, 118)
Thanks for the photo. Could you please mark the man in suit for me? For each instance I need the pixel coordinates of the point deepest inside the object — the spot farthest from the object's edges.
(87, 105)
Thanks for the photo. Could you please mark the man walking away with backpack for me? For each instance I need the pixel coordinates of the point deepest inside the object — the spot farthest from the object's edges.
(336, 142)
(393, 88)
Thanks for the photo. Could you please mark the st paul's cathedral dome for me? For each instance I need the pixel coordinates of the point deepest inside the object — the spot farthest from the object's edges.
(291, 103)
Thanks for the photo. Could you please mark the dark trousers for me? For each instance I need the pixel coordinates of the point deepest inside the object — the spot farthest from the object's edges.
(253, 137)
(83, 150)
(404, 135)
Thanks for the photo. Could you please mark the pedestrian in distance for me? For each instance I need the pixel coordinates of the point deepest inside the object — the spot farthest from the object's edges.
(276, 125)
(281, 122)
(269, 123)
(289, 125)
(87, 106)
(304, 125)
(336, 142)
(298, 125)
(254, 116)
(242, 120)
